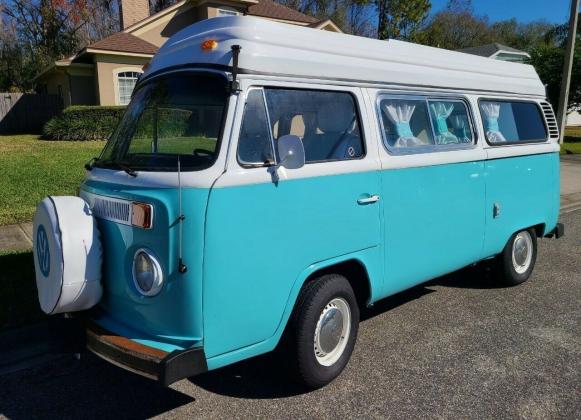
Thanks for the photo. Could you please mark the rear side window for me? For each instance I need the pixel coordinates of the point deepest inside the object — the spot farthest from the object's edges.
(423, 124)
(327, 122)
(512, 122)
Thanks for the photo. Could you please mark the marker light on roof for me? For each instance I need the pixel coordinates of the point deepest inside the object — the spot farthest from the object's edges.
(209, 45)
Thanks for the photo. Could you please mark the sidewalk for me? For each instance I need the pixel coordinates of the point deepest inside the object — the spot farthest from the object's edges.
(17, 237)
(570, 182)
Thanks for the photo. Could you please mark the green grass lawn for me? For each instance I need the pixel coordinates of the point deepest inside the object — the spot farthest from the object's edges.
(572, 141)
(31, 169)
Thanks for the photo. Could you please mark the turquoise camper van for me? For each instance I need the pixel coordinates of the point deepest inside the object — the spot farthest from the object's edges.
(267, 181)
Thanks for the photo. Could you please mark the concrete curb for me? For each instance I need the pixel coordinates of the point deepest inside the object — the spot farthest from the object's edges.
(16, 237)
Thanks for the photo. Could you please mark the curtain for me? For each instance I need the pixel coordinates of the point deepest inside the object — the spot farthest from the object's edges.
(460, 125)
(400, 114)
(491, 112)
(441, 112)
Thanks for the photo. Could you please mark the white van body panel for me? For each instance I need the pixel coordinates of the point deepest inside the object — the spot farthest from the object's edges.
(272, 48)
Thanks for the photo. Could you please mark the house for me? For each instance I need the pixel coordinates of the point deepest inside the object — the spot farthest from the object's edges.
(105, 72)
(498, 52)
(574, 118)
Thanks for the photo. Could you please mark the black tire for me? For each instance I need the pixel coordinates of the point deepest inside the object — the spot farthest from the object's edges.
(313, 299)
(506, 272)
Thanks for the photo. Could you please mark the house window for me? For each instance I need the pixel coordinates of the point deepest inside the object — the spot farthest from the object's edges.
(228, 12)
(126, 83)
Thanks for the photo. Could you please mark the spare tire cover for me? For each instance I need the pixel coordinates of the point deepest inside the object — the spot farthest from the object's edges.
(67, 255)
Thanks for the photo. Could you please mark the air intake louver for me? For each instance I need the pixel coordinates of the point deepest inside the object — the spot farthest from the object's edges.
(551, 120)
(112, 209)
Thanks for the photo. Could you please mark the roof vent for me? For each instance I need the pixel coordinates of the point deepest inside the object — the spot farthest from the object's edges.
(551, 120)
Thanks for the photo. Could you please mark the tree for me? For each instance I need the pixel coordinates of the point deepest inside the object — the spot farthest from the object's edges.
(548, 59)
(35, 33)
(352, 16)
(102, 20)
(359, 19)
(523, 36)
(400, 19)
(455, 27)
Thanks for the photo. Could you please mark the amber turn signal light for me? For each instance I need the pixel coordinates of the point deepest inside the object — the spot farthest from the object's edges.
(142, 215)
(209, 45)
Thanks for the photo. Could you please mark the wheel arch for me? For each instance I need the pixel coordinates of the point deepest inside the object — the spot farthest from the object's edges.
(366, 261)
(362, 269)
(354, 271)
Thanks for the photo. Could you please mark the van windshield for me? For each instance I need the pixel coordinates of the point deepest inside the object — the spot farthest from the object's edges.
(170, 118)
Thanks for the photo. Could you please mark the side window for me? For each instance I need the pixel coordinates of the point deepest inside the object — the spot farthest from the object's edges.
(406, 123)
(417, 124)
(326, 121)
(450, 122)
(512, 122)
(255, 144)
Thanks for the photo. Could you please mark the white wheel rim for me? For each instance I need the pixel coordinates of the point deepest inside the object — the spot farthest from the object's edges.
(522, 252)
(332, 331)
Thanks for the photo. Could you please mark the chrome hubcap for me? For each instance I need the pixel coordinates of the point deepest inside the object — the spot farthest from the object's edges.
(332, 332)
(522, 252)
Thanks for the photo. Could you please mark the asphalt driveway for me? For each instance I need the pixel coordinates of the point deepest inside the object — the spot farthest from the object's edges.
(455, 347)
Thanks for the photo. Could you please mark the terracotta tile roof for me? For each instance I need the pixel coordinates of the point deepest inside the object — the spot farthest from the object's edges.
(124, 42)
(270, 9)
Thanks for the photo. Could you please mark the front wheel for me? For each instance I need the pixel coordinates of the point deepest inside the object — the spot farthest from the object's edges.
(517, 261)
(324, 330)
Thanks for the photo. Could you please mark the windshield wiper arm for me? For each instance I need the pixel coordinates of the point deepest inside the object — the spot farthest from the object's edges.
(128, 170)
(91, 163)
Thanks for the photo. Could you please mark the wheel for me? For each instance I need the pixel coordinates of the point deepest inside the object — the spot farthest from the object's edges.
(323, 330)
(517, 261)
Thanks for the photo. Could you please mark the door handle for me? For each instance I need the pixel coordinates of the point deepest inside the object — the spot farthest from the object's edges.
(368, 200)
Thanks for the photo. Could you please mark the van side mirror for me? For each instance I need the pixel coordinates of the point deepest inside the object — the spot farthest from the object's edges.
(291, 152)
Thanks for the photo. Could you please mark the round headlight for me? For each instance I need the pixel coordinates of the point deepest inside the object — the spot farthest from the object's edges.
(147, 274)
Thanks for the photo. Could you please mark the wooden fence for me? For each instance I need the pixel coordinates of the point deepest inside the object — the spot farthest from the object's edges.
(27, 112)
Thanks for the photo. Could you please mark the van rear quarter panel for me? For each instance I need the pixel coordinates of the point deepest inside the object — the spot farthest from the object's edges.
(527, 190)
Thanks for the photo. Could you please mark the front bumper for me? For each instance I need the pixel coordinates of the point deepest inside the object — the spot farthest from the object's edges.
(164, 367)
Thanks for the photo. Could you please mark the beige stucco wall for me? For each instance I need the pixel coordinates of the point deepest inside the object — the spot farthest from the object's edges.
(107, 67)
(53, 79)
(75, 85)
(162, 30)
(159, 31)
(212, 8)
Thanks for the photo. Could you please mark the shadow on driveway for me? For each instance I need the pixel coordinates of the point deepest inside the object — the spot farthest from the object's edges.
(86, 388)
(94, 388)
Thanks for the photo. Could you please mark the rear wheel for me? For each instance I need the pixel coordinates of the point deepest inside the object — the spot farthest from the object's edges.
(323, 330)
(517, 261)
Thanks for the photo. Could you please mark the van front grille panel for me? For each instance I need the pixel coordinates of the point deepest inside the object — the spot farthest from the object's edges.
(112, 209)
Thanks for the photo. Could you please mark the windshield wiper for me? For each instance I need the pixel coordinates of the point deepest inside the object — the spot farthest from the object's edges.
(128, 170)
(91, 163)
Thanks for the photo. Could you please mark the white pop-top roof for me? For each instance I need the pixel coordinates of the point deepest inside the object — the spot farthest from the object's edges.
(281, 49)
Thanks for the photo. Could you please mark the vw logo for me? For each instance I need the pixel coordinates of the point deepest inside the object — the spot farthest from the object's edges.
(42, 251)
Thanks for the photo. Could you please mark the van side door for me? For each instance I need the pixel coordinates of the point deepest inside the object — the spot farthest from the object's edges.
(433, 187)
(266, 227)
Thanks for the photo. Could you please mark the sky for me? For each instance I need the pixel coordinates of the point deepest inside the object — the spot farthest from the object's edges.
(554, 11)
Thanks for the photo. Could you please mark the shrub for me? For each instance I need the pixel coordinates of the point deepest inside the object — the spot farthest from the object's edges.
(84, 123)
